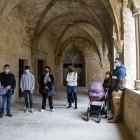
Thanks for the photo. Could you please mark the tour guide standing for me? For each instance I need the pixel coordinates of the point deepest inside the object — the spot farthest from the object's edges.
(27, 84)
(118, 85)
(7, 79)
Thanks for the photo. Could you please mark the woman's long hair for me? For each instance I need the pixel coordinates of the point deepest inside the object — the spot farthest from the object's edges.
(73, 69)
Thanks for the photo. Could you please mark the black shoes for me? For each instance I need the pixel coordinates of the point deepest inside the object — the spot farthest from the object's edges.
(75, 106)
(9, 115)
(69, 107)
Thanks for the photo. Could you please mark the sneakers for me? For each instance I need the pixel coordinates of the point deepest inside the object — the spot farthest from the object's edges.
(72, 104)
(32, 110)
(27, 110)
(1, 115)
(67, 104)
(9, 115)
(42, 110)
(52, 110)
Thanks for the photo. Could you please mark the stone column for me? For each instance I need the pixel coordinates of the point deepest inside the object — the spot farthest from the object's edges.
(119, 47)
(61, 74)
(129, 45)
(110, 57)
(136, 15)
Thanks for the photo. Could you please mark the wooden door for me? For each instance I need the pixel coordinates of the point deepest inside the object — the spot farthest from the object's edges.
(40, 71)
(21, 71)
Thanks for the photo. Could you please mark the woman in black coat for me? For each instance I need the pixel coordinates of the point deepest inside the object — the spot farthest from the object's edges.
(47, 81)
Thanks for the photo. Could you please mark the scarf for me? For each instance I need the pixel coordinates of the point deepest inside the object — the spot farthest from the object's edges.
(108, 83)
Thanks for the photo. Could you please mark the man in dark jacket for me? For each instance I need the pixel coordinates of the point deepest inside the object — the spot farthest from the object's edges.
(118, 85)
(7, 79)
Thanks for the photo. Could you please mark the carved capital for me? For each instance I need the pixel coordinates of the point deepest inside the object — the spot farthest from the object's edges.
(119, 45)
(103, 65)
(109, 57)
(136, 9)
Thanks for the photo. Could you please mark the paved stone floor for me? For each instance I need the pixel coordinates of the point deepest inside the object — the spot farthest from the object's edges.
(63, 124)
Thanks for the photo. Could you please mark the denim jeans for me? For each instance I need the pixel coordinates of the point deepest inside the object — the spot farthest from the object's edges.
(27, 92)
(68, 96)
(8, 95)
(72, 89)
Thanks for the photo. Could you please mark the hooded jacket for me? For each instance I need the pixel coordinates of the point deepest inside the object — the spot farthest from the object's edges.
(120, 72)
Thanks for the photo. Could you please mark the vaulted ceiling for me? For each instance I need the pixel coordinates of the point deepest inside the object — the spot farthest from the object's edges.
(93, 18)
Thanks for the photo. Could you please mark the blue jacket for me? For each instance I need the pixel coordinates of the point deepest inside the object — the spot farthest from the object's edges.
(120, 72)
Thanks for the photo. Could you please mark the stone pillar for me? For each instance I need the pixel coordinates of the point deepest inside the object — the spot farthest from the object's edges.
(85, 83)
(61, 74)
(136, 15)
(129, 45)
(110, 57)
(119, 47)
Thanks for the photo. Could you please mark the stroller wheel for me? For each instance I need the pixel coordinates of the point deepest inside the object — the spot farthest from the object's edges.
(88, 115)
(99, 117)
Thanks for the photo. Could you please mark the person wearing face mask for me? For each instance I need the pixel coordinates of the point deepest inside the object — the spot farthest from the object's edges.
(67, 104)
(107, 87)
(72, 85)
(27, 85)
(47, 81)
(7, 79)
(118, 85)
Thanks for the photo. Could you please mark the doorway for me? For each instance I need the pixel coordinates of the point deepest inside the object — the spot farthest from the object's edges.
(21, 71)
(40, 71)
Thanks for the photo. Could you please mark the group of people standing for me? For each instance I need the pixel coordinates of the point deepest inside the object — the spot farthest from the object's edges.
(114, 83)
(27, 85)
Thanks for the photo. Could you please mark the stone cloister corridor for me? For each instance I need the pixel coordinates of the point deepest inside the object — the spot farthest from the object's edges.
(63, 124)
(88, 34)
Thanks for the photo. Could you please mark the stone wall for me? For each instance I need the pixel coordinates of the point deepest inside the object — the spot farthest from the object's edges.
(45, 46)
(91, 60)
(131, 112)
(14, 44)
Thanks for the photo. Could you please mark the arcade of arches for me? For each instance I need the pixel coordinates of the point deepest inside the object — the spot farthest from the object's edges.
(88, 34)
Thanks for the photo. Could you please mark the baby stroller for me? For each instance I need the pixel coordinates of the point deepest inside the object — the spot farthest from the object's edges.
(97, 103)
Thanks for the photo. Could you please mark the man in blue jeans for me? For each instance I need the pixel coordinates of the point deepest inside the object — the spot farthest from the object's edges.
(7, 79)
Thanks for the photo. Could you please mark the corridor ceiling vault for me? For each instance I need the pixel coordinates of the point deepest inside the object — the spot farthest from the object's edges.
(95, 19)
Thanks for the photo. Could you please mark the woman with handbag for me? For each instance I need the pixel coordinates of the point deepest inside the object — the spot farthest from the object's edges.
(47, 82)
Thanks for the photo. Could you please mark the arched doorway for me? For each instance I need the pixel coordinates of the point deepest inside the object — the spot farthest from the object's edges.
(73, 58)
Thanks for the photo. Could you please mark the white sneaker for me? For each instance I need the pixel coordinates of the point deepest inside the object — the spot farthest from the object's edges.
(67, 104)
(72, 104)
(27, 110)
(32, 110)
(52, 110)
(42, 110)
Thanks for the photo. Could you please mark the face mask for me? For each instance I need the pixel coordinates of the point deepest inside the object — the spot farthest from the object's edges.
(71, 70)
(6, 70)
(107, 76)
(115, 65)
(46, 71)
(26, 71)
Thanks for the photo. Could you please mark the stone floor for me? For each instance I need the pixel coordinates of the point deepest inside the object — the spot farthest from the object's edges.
(63, 124)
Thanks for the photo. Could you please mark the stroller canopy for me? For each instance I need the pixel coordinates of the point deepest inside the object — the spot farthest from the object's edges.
(96, 91)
